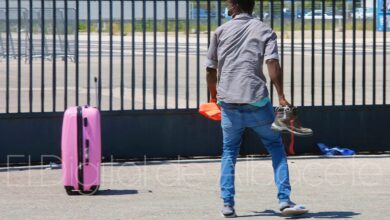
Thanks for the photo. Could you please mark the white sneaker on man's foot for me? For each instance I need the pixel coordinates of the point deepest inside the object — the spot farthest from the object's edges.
(228, 212)
(292, 209)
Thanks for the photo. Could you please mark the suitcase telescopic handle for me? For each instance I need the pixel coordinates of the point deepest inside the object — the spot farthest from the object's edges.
(97, 92)
(86, 152)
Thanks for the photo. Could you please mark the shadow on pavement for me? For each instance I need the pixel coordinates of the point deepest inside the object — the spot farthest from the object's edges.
(328, 214)
(263, 213)
(116, 192)
(323, 215)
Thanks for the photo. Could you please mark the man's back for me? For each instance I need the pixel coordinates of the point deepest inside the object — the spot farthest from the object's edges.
(238, 50)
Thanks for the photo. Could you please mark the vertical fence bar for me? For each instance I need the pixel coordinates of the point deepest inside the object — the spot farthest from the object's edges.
(344, 48)
(272, 7)
(42, 55)
(166, 54)
(30, 55)
(144, 54)
(272, 26)
(312, 52)
(323, 55)
(176, 54)
(66, 55)
(111, 59)
(384, 52)
(187, 54)
(132, 55)
(364, 52)
(208, 38)
(282, 32)
(54, 67)
(19, 55)
(77, 52)
(354, 53)
(333, 52)
(100, 55)
(282, 35)
(122, 54)
(292, 49)
(197, 53)
(7, 31)
(374, 52)
(208, 24)
(261, 5)
(89, 52)
(155, 55)
(303, 52)
(219, 12)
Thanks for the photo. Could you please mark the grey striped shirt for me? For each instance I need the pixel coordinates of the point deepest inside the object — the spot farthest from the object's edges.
(238, 50)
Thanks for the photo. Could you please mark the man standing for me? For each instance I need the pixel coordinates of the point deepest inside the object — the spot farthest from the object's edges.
(237, 52)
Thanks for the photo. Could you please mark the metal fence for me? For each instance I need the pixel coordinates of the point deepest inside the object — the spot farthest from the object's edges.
(150, 55)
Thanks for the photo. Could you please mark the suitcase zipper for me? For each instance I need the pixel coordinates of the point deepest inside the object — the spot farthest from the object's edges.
(80, 148)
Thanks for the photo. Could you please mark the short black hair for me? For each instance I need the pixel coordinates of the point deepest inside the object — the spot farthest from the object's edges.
(246, 5)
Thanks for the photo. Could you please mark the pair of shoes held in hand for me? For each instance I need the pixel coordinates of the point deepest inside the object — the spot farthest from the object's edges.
(286, 120)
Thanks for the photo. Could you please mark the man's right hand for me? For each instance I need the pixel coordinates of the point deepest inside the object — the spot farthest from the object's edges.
(283, 102)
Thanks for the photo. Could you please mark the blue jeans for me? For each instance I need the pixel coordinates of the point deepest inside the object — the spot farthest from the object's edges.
(234, 121)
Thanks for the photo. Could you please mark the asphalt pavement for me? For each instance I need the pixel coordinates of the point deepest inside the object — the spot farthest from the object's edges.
(332, 188)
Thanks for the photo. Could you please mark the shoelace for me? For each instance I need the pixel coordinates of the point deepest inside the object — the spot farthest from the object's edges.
(288, 109)
(285, 110)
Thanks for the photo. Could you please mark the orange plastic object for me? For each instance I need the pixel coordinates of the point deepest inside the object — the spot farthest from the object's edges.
(210, 110)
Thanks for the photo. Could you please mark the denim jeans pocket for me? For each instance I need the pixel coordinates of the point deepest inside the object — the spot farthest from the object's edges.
(262, 116)
(227, 118)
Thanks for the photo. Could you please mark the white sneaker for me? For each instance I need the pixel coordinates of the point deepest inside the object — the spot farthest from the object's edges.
(228, 212)
(292, 209)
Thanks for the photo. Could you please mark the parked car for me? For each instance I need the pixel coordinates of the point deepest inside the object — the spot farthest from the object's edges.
(299, 13)
(202, 13)
(360, 14)
(338, 14)
(278, 15)
(318, 15)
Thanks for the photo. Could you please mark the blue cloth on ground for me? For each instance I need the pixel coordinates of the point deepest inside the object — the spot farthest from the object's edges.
(335, 151)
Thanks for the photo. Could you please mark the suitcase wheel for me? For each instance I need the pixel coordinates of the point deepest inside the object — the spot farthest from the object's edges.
(92, 191)
(70, 191)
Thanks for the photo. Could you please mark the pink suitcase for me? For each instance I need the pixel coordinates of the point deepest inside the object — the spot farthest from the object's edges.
(81, 150)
